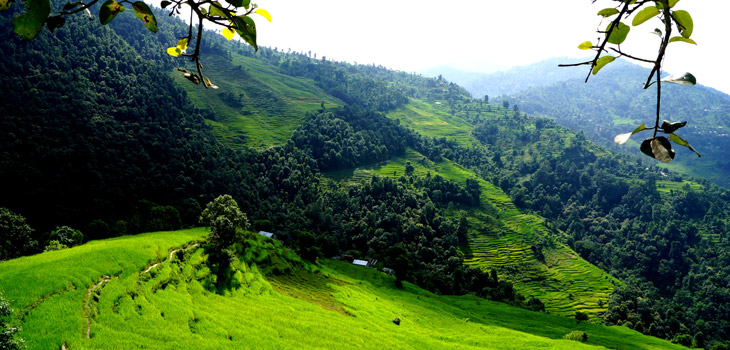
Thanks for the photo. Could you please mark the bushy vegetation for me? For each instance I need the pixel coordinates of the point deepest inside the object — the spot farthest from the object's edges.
(155, 295)
(126, 151)
(8, 339)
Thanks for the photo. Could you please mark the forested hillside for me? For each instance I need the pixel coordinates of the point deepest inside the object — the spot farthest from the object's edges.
(614, 103)
(102, 136)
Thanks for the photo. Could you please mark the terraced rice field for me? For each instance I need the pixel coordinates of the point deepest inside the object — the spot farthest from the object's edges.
(149, 291)
(666, 188)
(256, 106)
(432, 120)
(502, 238)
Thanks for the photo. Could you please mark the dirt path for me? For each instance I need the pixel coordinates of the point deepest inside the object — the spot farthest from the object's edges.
(89, 292)
(168, 258)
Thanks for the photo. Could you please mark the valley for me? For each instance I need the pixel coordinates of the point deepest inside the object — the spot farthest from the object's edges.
(486, 211)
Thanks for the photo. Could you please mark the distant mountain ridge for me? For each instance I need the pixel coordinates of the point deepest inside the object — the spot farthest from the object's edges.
(615, 102)
(512, 80)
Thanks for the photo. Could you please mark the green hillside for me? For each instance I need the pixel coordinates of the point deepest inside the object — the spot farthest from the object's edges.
(502, 238)
(615, 103)
(148, 291)
(255, 105)
(107, 142)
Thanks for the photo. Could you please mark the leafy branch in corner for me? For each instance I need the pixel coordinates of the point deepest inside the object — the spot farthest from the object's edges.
(233, 15)
(616, 33)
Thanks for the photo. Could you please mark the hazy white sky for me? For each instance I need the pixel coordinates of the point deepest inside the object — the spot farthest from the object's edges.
(411, 35)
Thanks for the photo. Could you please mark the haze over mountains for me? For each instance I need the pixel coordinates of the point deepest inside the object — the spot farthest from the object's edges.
(469, 203)
(614, 102)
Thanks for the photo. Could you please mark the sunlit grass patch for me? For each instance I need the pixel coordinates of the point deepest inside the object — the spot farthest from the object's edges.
(169, 307)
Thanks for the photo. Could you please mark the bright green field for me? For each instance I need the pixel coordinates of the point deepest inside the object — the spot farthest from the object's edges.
(336, 306)
(433, 120)
(255, 105)
(665, 188)
(501, 238)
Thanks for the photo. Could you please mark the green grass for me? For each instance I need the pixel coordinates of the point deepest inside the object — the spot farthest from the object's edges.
(267, 106)
(501, 238)
(622, 120)
(665, 188)
(433, 120)
(335, 306)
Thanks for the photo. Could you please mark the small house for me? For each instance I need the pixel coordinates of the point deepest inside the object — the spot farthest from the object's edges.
(266, 234)
(360, 262)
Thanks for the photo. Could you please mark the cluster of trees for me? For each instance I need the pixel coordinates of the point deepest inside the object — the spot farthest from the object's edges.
(614, 102)
(668, 247)
(349, 136)
(102, 141)
(93, 129)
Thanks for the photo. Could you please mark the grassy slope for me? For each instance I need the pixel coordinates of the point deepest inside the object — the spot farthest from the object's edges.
(501, 237)
(168, 307)
(270, 104)
(433, 120)
(565, 282)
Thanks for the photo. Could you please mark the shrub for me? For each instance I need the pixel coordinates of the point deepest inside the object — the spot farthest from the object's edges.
(98, 229)
(577, 336)
(15, 236)
(66, 236)
(581, 316)
(683, 339)
(7, 332)
(54, 245)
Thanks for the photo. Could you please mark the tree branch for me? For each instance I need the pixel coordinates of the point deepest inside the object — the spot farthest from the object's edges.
(618, 51)
(610, 30)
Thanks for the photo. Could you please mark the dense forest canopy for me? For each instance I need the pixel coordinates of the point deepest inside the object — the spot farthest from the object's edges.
(100, 138)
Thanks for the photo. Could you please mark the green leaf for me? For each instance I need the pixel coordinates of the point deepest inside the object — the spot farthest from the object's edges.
(586, 45)
(29, 24)
(54, 22)
(5, 4)
(645, 15)
(264, 13)
(603, 61)
(216, 10)
(671, 4)
(682, 39)
(639, 128)
(686, 79)
(620, 139)
(619, 34)
(109, 10)
(657, 32)
(246, 28)
(658, 148)
(684, 21)
(678, 140)
(143, 12)
(228, 34)
(669, 128)
(241, 3)
(608, 12)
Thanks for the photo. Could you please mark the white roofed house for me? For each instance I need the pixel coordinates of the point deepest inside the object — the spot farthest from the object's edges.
(267, 234)
(360, 262)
